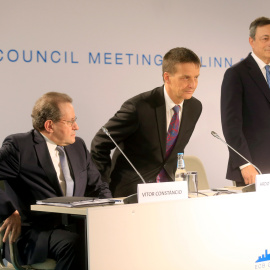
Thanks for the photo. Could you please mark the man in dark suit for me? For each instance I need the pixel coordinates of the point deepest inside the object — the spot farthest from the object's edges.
(140, 127)
(245, 104)
(31, 168)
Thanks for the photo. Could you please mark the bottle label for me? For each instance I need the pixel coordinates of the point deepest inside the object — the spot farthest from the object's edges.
(180, 176)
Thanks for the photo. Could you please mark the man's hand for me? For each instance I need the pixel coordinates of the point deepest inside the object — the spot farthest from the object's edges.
(12, 225)
(249, 173)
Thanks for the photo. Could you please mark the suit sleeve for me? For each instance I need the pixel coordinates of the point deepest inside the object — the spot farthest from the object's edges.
(95, 186)
(9, 167)
(122, 125)
(232, 92)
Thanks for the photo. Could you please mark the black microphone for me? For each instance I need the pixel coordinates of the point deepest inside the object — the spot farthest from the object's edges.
(132, 198)
(251, 186)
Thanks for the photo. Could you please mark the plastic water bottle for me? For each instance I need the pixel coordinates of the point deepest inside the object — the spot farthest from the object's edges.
(181, 173)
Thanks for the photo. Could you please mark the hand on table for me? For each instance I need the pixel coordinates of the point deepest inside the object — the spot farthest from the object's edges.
(249, 174)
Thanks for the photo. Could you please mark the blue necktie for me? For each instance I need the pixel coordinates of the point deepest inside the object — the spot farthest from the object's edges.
(66, 172)
(267, 74)
(170, 142)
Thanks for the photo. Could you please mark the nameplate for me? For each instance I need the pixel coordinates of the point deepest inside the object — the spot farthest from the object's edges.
(263, 182)
(165, 191)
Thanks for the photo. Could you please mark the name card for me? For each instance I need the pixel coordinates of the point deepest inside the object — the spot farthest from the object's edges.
(165, 191)
(263, 182)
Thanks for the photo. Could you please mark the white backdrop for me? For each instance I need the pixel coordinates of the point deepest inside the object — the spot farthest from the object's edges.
(95, 51)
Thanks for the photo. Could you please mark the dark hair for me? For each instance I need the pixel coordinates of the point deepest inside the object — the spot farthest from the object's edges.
(46, 108)
(257, 23)
(176, 56)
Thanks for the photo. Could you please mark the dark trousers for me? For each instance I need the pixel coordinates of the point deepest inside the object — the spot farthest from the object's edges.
(64, 247)
(68, 245)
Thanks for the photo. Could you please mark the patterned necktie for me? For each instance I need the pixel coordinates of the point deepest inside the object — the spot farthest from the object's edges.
(171, 139)
(267, 74)
(66, 171)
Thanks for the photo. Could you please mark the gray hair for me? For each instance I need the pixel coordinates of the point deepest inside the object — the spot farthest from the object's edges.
(46, 108)
(261, 21)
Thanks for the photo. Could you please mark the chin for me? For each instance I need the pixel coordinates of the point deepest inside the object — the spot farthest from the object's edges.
(72, 141)
(188, 97)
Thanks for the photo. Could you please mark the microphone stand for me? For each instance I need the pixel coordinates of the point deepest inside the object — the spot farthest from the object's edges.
(217, 136)
(248, 188)
(132, 198)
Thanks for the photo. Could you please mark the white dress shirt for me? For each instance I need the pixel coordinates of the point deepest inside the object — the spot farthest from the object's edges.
(169, 109)
(56, 162)
(260, 63)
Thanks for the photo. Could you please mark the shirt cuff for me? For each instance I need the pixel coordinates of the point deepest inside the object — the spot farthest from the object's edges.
(244, 166)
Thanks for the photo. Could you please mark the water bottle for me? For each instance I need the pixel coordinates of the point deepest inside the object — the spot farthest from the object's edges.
(181, 173)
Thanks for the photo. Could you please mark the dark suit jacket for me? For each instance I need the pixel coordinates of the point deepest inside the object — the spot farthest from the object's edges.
(29, 174)
(139, 127)
(245, 110)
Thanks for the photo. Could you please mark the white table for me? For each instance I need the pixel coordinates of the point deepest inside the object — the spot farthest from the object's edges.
(219, 232)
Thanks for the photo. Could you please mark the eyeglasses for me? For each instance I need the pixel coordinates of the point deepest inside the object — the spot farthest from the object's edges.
(70, 123)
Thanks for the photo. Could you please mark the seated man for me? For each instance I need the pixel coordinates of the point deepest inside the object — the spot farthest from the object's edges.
(32, 167)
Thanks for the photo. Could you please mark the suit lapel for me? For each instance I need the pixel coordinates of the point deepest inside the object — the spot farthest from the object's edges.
(162, 127)
(257, 76)
(46, 162)
(73, 169)
(161, 119)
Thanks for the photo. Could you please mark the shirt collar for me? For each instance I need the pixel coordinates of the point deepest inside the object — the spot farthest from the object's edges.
(169, 103)
(51, 145)
(259, 61)
(48, 140)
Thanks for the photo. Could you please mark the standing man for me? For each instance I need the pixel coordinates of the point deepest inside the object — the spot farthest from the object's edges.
(33, 169)
(245, 107)
(151, 128)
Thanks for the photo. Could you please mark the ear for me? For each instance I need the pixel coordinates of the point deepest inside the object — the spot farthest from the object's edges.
(251, 41)
(166, 77)
(48, 125)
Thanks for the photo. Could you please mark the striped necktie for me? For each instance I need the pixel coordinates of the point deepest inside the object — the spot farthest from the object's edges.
(170, 142)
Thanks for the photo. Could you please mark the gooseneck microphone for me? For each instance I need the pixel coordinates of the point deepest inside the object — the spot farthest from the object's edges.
(217, 136)
(105, 130)
(133, 198)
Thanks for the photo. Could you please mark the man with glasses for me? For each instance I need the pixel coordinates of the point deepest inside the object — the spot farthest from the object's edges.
(30, 164)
